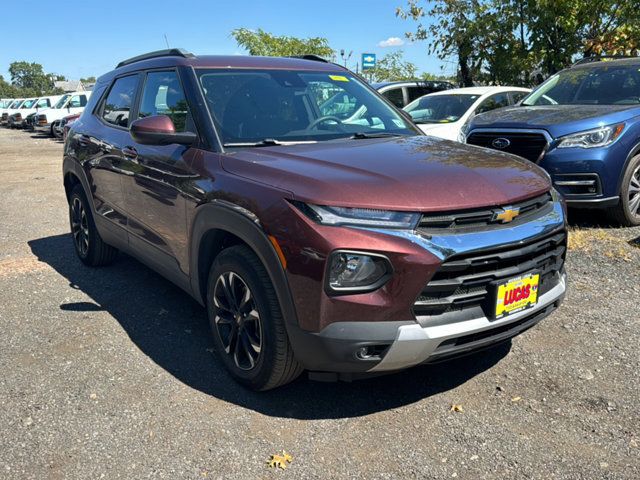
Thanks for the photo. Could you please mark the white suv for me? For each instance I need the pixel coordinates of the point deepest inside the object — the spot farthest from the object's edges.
(69, 104)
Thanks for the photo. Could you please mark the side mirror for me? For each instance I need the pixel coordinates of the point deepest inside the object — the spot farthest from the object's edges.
(159, 130)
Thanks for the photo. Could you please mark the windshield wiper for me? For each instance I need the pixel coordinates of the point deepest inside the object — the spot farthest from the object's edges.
(268, 142)
(364, 135)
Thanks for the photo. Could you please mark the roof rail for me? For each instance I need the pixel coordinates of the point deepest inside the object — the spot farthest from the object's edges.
(601, 58)
(171, 52)
(312, 57)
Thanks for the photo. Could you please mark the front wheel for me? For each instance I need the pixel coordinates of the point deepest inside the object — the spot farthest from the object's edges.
(248, 329)
(627, 212)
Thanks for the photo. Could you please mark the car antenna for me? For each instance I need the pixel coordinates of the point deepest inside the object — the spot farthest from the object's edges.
(167, 41)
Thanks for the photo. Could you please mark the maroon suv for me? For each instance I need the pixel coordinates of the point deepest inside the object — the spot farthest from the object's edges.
(319, 227)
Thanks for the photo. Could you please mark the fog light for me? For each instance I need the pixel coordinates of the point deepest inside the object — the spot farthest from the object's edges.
(355, 271)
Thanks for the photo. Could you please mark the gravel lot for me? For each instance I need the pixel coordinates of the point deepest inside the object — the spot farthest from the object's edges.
(109, 373)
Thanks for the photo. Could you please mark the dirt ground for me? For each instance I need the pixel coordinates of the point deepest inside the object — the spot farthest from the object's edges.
(109, 373)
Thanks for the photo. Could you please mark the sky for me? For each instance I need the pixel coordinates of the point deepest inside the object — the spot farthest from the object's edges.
(88, 38)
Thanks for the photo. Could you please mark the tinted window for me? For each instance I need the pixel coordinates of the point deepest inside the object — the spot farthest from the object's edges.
(163, 95)
(78, 101)
(517, 96)
(440, 108)
(417, 92)
(498, 100)
(602, 85)
(395, 96)
(118, 103)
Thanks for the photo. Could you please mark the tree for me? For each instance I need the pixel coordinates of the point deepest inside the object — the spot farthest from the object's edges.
(88, 80)
(7, 90)
(259, 42)
(30, 79)
(505, 41)
(392, 67)
(453, 30)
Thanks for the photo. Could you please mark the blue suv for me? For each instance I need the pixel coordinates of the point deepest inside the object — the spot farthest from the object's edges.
(583, 127)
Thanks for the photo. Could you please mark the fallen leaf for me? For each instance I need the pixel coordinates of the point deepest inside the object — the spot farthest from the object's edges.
(456, 408)
(280, 461)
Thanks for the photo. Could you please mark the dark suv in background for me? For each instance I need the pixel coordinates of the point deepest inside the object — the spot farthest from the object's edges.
(583, 126)
(317, 225)
(403, 93)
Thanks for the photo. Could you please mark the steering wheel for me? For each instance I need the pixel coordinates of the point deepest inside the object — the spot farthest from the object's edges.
(320, 120)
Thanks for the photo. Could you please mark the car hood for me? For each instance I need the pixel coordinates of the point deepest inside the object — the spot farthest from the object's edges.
(557, 119)
(409, 173)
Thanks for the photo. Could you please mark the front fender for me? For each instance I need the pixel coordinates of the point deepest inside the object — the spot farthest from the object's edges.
(239, 222)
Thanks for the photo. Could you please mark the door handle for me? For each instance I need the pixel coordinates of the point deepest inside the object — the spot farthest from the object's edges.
(130, 153)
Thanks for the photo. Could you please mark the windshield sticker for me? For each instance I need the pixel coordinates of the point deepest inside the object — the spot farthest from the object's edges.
(338, 78)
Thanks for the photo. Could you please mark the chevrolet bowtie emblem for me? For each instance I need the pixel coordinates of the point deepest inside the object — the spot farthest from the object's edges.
(506, 215)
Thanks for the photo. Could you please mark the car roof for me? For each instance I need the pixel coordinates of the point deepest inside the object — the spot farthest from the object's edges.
(410, 83)
(225, 61)
(480, 90)
(607, 62)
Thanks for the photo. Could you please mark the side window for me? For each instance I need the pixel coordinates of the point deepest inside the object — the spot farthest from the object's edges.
(43, 103)
(163, 95)
(78, 101)
(417, 92)
(394, 95)
(517, 96)
(117, 105)
(498, 100)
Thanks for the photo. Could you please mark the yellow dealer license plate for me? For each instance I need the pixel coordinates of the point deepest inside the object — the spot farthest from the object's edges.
(517, 294)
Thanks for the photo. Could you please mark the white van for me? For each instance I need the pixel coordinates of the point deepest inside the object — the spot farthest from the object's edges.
(16, 119)
(69, 104)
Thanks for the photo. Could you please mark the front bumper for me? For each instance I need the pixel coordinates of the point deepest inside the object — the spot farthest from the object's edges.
(404, 342)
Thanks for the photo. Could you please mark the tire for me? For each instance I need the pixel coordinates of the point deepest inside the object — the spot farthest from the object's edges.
(627, 212)
(54, 132)
(258, 355)
(87, 242)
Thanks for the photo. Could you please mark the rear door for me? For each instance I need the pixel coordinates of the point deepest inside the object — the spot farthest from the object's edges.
(101, 149)
(156, 190)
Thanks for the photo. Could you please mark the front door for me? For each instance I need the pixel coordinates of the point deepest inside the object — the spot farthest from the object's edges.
(156, 192)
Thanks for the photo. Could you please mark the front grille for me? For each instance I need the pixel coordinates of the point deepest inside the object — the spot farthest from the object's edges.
(465, 283)
(528, 145)
(480, 218)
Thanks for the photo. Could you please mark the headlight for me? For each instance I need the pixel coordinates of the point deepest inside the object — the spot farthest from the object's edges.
(360, 217)
(357, 271)
(598, 137)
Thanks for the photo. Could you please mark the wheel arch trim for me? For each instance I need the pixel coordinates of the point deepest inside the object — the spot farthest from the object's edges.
(220, 216)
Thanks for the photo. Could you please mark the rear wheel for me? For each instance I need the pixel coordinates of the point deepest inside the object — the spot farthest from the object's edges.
(246, 321)
(88, 244)
(627, 212)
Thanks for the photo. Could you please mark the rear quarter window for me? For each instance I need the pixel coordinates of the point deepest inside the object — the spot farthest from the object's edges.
(116, 107)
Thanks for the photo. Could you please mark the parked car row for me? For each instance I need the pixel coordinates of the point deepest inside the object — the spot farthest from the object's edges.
(43, 114)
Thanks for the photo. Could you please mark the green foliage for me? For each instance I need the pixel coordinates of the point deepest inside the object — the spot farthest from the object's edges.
(392, 67)
(30, 79)
(259, 42)
(505, 41)
(88, 80)
(7, 90)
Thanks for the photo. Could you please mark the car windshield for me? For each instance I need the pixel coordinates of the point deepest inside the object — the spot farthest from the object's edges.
(602, 85)
(250, 106)
(440, 108)
(62, 101)
(28, 103)
(16, 104)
